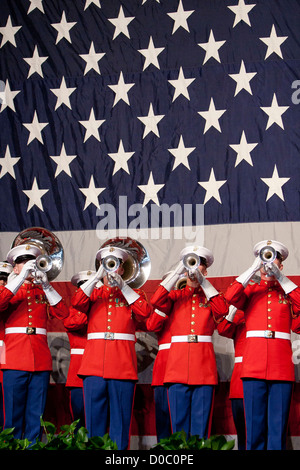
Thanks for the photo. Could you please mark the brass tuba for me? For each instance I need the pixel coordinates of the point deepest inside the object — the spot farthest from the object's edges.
(137, 266)
(51, 259)
(181, 283)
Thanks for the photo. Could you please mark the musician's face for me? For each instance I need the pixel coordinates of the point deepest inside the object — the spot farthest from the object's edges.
(194, 283)
(119, 271)
(18, 268)
(264, 276)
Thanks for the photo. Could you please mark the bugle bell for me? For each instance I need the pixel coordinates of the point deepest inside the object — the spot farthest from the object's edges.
(110, 263)
(43, 263)
(191, 261)
(267, 254)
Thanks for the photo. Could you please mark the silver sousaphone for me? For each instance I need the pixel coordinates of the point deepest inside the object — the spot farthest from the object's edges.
(137, 267)
(51, 259)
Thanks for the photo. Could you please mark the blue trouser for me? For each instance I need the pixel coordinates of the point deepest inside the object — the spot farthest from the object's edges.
(109, 398)
(162, 413)
(1, 408)
(25, 395)
(190, 408)
(267, 405)
(238, 413)
(77, 405)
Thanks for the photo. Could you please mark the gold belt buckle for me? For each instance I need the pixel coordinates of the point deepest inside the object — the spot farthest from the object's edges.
(192, 338)
(30, 330)
(108, 335)
(269, 334)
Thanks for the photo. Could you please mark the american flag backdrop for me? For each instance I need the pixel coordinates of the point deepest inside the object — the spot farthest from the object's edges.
(112, 111)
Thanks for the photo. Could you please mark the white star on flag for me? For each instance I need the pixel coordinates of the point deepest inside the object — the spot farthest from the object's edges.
(90, 2)
(242, 79)
(36, 4)
(63, 94)
(275, 184)
(274, 112)
(121, 23)
(180, 17)
(212, 116)
(63, 28)
(151, 54)
(243, 150)
(35, 129)
(273, 42)
(91, 193)
(151, 189)
(121, 90)
(63, 162)
(92, 59)
(212, 187)
(181, 154)
(241, 12)
(7, 97)
(8, 32)
(8, 162)
(92, 126)
(151, 121)
(181, 85)
(211, 47)
(35, 195)
(121, 158)
(35, 63)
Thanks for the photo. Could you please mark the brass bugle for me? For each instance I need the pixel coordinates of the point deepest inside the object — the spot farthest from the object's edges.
(267, 254)
(136, 268)
(52, 252)
(191, 261)
(43, 263)
(110, 263)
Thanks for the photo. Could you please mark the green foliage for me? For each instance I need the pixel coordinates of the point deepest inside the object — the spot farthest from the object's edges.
(69, 438)
(72, 438)
(179, 440)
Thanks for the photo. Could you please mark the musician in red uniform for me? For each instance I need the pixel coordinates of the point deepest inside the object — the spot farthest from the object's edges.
(28, 362)
(5, 270)
(267, 368)
(76, 327)
(191, 371)
(109, 363)
(233, 326)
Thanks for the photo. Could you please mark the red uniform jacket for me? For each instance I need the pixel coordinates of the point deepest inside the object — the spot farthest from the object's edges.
(267, 308)
(160, 324)
(28, 308)
(108, 311)
(190, 313)
(235, 330)
(76, 327)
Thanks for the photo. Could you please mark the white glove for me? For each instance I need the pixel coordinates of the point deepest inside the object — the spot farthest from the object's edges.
(286, 284)
(51, 294)
(89, 285)
(130, 295)
(15, 284)
(170, 280)
(247, 275)
(207, 288)
(231, 314)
